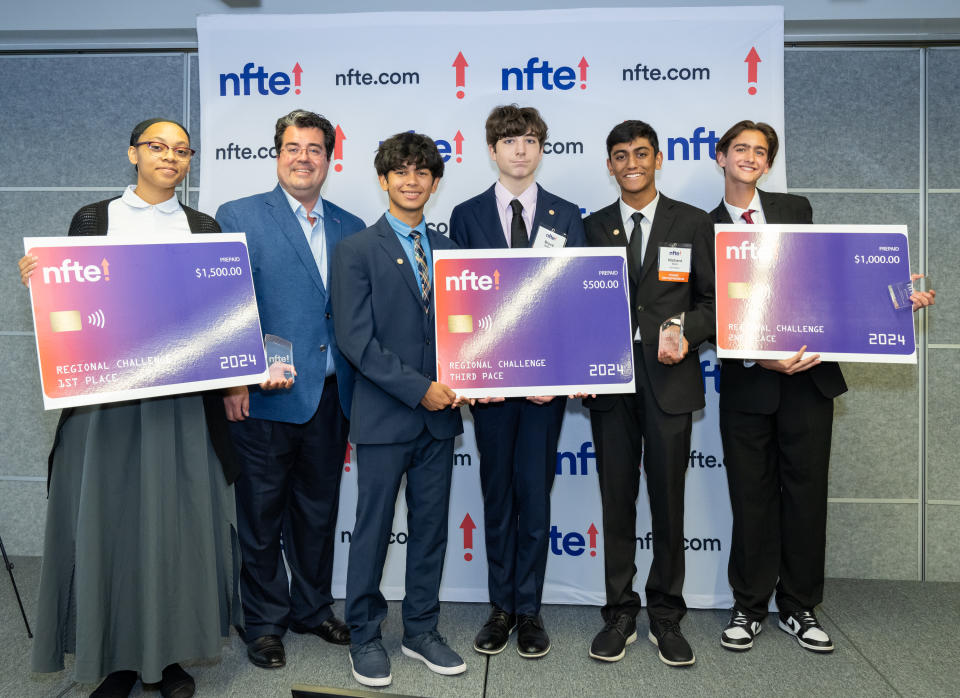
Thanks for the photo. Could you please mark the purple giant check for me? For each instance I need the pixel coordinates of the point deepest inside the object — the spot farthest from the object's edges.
(840, 290)
(533, 322)
(124, 318)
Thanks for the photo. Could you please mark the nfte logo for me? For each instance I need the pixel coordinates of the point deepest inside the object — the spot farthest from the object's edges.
(469, 280)
(257, 78)
(71, 270)
(540, 74)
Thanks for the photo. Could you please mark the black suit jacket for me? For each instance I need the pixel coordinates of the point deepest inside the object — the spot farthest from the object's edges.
(756, 390)
(678, 389)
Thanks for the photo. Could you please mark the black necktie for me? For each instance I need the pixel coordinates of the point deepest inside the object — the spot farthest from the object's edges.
(636, 242)
(518, 230)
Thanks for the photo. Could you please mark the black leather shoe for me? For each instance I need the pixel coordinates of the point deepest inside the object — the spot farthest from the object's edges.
(494, 634)
(532, 640)
(116, 685)
(610, 643)
(332, 630)
(267, 652)
(176, 683)
(673, 647)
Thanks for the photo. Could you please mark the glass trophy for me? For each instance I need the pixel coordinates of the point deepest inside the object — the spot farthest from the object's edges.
(900, 293)
(279, 357)
(671, 337)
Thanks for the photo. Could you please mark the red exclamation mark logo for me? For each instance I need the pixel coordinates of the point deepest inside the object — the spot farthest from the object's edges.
(296, 77)
(105, 265)
(338, 148)
(346, 457)
(468, 527)
(458, 142)
(583, 72)
(751, 60)
(460, 63)
(592, 532)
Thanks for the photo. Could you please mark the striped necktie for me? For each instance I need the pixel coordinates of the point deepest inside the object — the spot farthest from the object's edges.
(421, 259)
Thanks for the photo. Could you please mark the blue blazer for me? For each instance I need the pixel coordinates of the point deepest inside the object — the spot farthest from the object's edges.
(384, 332)
(291, 297)
(475, 224)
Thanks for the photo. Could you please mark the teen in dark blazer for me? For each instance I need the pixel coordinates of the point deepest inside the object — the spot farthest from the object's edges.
(776, 419)
(655, 422)
(404, 421)
(516, 438)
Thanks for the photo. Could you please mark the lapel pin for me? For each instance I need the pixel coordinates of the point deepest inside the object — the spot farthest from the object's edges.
(550, 211)
(616, 231)
(399, 260)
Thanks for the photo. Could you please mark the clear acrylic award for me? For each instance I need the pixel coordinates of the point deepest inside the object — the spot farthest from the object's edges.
(279, 357)
(671, 337)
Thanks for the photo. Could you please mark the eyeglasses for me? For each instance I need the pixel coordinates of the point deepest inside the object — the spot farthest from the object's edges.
(293, 150)
(159, 149)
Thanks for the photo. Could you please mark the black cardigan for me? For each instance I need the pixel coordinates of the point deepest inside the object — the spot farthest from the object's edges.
(92, 220)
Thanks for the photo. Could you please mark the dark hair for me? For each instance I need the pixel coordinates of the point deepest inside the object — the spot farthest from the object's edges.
(510, 121)
(629, 131)
(773, 143)
(408, 148)
(301, 118)
(144, 125)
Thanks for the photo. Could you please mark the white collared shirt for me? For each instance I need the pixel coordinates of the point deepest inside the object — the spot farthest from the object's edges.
(736, 214)
(648, 211)
(130, 215)
(527, 198)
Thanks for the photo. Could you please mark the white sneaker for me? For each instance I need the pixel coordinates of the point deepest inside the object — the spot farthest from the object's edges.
(804, 626)
(740, 631)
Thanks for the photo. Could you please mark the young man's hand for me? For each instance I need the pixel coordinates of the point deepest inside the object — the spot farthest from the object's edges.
(236, 403)
(794, 364)
(438, 396)
(921, 299)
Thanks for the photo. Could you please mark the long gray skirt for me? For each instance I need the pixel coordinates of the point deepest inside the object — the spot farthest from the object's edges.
(140, 555)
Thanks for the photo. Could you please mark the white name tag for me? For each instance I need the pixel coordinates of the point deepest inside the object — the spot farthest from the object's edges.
(675, 262)
(549, 238)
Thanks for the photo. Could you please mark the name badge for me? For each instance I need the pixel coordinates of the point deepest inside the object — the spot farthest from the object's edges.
(549, 238)
(674, 260)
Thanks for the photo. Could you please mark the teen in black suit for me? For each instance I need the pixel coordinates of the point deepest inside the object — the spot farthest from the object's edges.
(656, 420)
(776, 418)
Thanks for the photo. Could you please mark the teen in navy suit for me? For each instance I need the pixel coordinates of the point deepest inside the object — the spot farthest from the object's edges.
(291, 438)
(516, 438)
(404, 421)
(776, 419)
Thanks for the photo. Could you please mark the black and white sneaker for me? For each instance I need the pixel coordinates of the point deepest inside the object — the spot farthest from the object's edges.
(804, 626)
(740, 631)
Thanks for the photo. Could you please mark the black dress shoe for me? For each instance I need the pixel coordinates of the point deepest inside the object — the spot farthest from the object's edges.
(532, 639)
(116, 685)
(673, 647)
(267, 652)
(176, 683)
(610, 643)
(494, 634)
(332, 630)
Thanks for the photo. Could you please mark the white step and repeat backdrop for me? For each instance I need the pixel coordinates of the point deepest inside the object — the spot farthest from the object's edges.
(690, 73)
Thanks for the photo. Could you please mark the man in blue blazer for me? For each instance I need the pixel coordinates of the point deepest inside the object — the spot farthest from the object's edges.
(290, 436)
(404, 420)
(516, 438)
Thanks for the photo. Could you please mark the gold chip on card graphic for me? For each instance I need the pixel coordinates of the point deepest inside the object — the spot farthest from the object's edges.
(65, 321)
(459, 324)
(738, 289)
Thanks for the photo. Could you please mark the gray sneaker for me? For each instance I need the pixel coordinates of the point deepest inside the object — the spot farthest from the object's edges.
(370, 664)
(431, 649)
